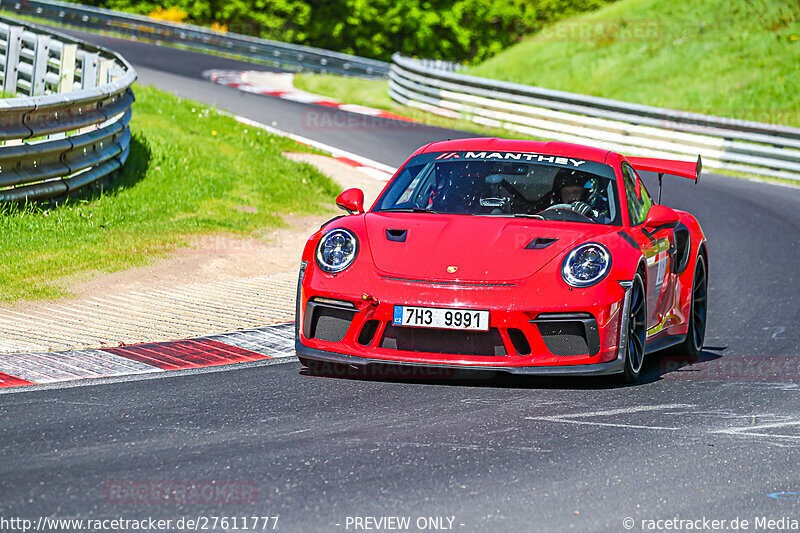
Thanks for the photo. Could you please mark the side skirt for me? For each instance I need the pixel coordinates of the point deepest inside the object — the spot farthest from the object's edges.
(664, 343)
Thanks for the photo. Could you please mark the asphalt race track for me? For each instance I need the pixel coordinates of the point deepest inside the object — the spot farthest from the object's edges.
(712, 440)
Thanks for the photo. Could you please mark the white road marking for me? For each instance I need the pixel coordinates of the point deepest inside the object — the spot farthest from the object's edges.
(570, 418)
(606, 424)
(752, 431)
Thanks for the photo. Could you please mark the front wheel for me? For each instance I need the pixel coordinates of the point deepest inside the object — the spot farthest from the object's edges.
(637, 331)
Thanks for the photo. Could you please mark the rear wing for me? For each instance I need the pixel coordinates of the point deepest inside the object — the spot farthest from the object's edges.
(684, 169)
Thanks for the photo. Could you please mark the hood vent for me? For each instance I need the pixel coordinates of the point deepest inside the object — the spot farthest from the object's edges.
(539, 243)
(397, 235)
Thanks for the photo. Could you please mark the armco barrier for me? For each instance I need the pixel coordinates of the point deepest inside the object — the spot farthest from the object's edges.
(284, 55)
(743, 146)
(65, 124)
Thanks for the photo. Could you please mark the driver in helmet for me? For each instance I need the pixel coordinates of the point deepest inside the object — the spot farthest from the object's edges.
(572, 188)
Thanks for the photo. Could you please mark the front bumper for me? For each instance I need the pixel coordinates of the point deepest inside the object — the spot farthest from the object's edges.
(605, 307)
(597, 369)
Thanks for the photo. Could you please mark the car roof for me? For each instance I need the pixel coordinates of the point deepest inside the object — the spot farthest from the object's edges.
(515, 145)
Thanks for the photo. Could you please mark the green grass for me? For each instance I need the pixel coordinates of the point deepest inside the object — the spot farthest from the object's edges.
(191, 171)
(738, 59)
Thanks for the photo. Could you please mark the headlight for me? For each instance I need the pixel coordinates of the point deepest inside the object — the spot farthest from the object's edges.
(336, 250)
(586, 265)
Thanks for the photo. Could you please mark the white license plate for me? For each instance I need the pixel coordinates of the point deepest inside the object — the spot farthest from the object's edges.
(435, 317)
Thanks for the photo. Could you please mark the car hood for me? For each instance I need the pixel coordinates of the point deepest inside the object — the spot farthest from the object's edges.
(481, 249)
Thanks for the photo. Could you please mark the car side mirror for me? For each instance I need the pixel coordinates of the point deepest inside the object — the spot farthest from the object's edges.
(351, 200)
(660, 215)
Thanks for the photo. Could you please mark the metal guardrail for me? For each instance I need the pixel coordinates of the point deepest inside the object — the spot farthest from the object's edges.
(725, 143)
(288, 56)
(66, 125)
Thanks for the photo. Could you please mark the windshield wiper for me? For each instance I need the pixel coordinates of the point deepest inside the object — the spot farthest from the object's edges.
(405, 210)
(509, 215)
(528, 215)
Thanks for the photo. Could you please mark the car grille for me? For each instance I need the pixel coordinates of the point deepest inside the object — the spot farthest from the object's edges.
(447, 341)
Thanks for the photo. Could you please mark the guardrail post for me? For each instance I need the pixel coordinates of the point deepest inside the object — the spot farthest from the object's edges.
(13, 47)
(41, 54)
(104, 73)
(89, 71)
(66, 73)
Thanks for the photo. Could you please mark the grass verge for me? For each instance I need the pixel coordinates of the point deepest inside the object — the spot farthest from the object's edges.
(734, 59)
(191, 172)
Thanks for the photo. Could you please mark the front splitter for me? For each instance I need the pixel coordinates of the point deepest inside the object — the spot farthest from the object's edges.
(599, 369)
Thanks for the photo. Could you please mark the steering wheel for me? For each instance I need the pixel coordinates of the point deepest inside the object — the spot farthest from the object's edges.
(569, 209)
(517, 197)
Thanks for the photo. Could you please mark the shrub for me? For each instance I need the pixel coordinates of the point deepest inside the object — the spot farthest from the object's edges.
(460, 30)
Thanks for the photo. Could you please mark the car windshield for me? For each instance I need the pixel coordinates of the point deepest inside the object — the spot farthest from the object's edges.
(499, 184)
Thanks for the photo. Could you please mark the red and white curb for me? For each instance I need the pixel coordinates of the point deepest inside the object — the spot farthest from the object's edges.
(370, 170)
(280, 85)
(247, 346)
(365, 165)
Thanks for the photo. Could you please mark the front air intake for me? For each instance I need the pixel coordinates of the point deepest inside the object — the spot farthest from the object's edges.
(368, 332)
(328, 320)
(520, 342)
(569, 333)
(445, 341)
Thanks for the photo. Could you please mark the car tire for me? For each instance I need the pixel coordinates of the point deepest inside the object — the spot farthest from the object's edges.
(692, 347)
(637, 332)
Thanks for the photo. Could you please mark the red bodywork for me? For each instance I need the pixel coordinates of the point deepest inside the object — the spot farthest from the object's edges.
(516, 285)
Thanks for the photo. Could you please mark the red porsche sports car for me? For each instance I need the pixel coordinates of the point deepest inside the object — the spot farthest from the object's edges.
(505, 255)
